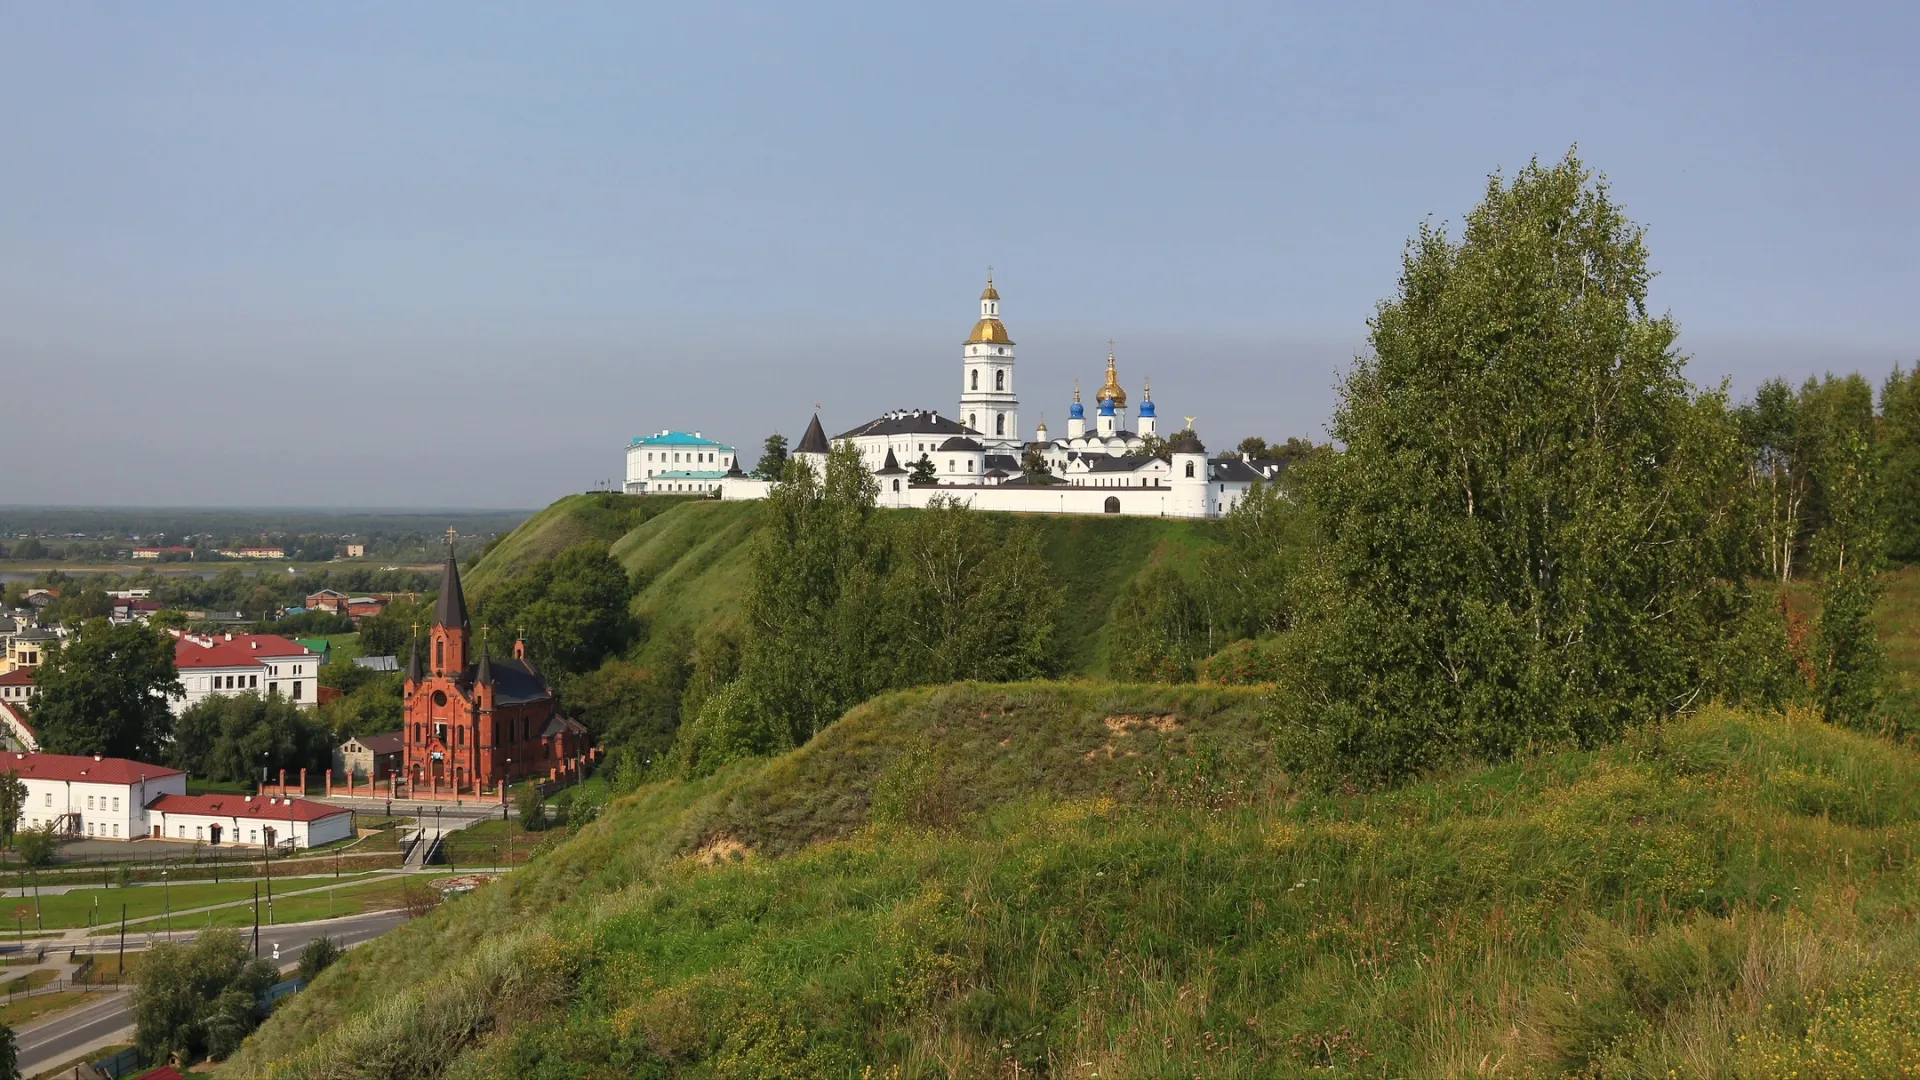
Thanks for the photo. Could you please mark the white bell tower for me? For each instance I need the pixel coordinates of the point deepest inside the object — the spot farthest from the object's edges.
(987, 401)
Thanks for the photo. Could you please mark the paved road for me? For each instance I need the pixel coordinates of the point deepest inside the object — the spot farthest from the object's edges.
(63, 1035)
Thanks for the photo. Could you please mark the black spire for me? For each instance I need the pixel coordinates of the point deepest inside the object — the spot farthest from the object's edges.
(451, 608)
(413, 660)
(485, 673)
(892, 466)
(815, 440)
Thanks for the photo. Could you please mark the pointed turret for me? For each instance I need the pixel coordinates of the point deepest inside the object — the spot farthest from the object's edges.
(892, 467)
(449, 632)
(815, 440)
(451, 608)
(483, 676)
(413, 660)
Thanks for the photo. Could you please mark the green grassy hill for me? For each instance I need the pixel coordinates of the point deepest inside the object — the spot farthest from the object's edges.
(690, 557)
(1081, 880)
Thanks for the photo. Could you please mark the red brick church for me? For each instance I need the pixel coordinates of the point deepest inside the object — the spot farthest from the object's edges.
(473, 721)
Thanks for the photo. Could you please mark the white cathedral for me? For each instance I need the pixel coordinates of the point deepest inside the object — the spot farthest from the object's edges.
(976, 456)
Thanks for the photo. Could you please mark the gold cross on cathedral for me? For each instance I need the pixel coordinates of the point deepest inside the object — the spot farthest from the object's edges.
(450, 535)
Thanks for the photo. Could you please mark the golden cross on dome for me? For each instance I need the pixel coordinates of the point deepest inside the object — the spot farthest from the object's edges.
(450, 535)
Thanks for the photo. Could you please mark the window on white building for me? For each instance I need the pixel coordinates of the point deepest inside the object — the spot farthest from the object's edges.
(49, 798)
(89, 802)
(116, 830)
(116, 802)
(183, 832)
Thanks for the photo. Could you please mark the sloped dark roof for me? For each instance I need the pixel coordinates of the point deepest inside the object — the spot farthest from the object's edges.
(734, 469)
(909, 422)
(387, 742)
(1187, 444)
(815, 440)
(514, 683)
(1233, 469)
(1005, 462)
(892, 467)
(960, 442)
(557, 724)
(1033, 480)
(450, 609)
(1126, 463)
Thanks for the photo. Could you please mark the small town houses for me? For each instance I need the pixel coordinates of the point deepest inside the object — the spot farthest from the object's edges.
(107, 798)
(255, 664)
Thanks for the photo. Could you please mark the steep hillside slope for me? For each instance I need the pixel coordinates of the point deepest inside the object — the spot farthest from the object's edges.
(691, 556)
(1079, 880)
(598, 517)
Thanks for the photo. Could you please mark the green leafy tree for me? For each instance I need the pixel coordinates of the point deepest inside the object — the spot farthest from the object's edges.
(230, 736)
(9, 1054)
(197, 998)
(1530, 536)
(1252, 447)
(812, 645)
(923, 471)
(530, 804)
(1252, 573)
(37, 845)
(1900, 432)
(392, 632)
(1848, 552)
(104, 691)
(773, 458)
(318, 956)
(572, 608)
(969, 598)
(1033, 462)
(623, 703)
(1161, 627)
(13, 800)
(731, 726)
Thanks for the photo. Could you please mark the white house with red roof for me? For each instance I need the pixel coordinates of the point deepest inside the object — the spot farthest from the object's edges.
(100, 797)
(237, 819)
(17, 687)
(118, 799)
(255, 664)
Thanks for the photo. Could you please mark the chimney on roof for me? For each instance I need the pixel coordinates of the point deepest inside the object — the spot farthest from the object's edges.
(253, 643)
(96, 757)
(229, 635)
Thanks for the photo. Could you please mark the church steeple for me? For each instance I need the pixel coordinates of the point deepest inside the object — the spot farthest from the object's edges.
(988, 404)
(449, 632)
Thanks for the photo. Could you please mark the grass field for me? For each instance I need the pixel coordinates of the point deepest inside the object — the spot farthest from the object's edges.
(104, 968)
(29, 980)
(1071, 879)
(349, 898)
(20, 1010)
(80, 907)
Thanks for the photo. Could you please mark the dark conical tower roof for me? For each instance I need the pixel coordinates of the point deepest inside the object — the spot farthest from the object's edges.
(413, 660)
(451, 608)
(485, 672)
(815, 440)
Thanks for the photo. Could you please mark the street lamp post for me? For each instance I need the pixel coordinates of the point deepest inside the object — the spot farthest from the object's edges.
(166, 895)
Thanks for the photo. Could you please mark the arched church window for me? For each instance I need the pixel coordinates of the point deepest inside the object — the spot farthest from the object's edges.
(1189, 470)
(976, 379)
(1000, 424)
(1113, 504)
(896, 485)
(1000, 380)
(440, 654)
(970, 422)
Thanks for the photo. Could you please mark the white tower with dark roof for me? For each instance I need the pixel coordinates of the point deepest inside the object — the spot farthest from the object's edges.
(987, 401)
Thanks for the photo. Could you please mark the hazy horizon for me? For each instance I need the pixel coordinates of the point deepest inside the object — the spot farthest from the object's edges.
(451, 257)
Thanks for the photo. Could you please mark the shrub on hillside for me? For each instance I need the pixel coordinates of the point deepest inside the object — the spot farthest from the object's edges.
(1246, 662)
(733, 725)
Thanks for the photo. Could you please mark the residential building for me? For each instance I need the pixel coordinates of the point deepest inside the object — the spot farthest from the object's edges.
(100, 797)
(272, 821)
(326, 600)
(254, 553)
(676, 461)
(212, 664)
(17, 687)
(356, 551)
(370, 757)
(171, 551)
(27, 649)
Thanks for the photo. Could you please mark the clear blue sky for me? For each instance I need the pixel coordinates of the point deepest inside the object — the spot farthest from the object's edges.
(456, 254)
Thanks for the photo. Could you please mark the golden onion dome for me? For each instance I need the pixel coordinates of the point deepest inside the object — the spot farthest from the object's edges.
(989, 332)
(990, 293)
(1111, 391)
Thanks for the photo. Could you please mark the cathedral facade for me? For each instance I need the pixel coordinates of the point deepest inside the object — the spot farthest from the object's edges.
(473, 721)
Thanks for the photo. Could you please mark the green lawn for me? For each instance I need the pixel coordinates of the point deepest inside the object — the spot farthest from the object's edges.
(29, 980)
(348, 899)
(342, 648)
(103, 968)
(79, 908)
(19, 1011)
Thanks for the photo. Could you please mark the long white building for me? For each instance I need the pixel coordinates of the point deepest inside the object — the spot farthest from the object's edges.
(977, 457)
(106, 798)
(254, 664)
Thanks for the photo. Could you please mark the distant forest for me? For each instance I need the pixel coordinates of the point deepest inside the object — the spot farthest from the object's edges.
(107, 534)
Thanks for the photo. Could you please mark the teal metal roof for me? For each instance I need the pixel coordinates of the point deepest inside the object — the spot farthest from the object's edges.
(677, 438)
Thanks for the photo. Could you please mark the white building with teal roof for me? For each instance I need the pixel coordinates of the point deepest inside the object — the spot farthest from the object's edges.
(676, 462)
